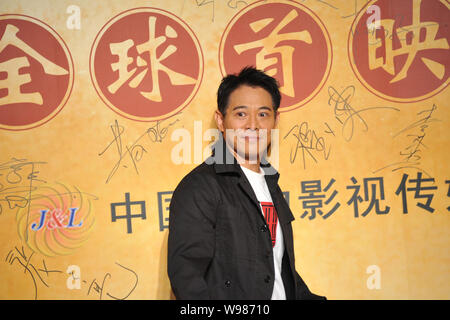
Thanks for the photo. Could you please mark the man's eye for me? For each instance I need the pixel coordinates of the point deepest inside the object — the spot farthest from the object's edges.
(264, 114)
(240, 114)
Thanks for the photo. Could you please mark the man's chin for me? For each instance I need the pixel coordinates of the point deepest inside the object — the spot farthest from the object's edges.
(251, 157)
(245, 151)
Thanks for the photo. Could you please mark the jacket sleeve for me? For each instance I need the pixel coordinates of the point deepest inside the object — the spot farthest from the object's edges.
(303, 292)
(191, 238)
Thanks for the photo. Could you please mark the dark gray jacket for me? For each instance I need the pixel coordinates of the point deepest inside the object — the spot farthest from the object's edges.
(219, 244)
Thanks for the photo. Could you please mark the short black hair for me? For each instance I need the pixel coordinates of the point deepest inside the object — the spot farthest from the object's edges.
(247, 76)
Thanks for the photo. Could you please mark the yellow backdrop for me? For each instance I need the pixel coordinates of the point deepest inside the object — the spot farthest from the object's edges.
(106, 105)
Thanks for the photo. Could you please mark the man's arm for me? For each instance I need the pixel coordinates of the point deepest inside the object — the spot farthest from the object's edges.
(191, 238)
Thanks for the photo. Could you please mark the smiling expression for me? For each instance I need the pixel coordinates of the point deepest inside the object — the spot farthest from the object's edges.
(248, 122)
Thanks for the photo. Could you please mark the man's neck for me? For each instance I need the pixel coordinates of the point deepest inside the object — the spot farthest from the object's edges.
(251, 166)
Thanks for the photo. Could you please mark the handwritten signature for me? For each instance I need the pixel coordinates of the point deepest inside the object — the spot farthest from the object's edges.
(233, 4)
(19, 181)
(347, 116)
(309, 142)
(416, 132)
(98, 286)
(13, 182)
(14, 189)
(136, 150)
(37, 275)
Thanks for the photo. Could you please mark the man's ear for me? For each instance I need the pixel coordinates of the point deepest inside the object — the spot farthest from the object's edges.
(218, 116)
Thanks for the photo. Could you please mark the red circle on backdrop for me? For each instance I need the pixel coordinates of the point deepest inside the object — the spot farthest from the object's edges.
(146, 64)
(36, 72)
(285, 39)
(389, 47)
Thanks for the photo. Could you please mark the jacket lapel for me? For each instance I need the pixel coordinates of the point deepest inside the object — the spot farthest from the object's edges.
(244, 184)
(284, 213)
(225, 162)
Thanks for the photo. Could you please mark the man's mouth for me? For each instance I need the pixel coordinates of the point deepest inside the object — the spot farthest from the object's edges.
(251, 137)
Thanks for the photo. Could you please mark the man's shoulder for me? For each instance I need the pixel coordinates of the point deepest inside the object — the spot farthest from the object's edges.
(205, 170)
(203, 174)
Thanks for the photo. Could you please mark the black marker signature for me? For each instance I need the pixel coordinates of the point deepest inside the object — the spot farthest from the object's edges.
(346, 114)
(29, 268)
(19, 182)
(14, 172)
(411, 155)
(99, 288)
(233, 4)
(309, 142)
(136, 150)
(236, 3)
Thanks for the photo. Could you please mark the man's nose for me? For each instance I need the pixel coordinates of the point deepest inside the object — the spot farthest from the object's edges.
(252, 123)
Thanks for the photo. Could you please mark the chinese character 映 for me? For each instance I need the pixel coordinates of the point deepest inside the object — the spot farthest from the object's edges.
(408, 47)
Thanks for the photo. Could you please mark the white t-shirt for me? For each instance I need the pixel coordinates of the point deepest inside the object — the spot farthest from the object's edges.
(259, 185)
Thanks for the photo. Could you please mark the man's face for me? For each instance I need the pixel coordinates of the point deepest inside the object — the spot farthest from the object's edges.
(248, 121)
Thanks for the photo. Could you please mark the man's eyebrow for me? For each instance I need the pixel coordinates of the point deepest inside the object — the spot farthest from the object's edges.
(245, 107)
(239, 107)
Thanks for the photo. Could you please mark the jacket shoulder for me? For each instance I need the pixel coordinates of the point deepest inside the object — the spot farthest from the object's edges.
(201, 179)
(197, 195)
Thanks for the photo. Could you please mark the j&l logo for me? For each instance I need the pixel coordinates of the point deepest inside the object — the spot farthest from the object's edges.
(285, 39)
(35, 61)
(58, 220)
(138, 64)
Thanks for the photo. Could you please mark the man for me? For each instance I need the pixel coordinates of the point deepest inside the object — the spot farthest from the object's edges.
(230, 233)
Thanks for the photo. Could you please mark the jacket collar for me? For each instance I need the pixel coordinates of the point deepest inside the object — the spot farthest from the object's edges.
(225, 162)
